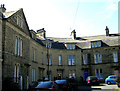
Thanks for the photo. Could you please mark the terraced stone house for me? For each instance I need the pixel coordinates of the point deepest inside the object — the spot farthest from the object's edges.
(27, 56)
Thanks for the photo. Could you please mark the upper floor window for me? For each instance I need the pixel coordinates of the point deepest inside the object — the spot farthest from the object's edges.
(16, 72)
(18, 46)
(96, 44)
(85, 58)
(71, 60)
(33, 54)
(33, 75)
(48, 60)
(48, 45)
(115, 56)
(98, 58)
(70, 46)
(60, 60)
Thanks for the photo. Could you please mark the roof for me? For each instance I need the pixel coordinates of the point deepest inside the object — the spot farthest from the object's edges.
(84, 39)
(8, 14)
(85, 42)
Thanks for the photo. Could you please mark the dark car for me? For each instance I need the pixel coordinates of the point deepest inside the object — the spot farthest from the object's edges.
(92, 80)
(46, 86)
(67, 85)
(62, 84)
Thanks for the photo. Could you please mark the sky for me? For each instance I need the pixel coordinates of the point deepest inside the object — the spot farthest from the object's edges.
(60, 17)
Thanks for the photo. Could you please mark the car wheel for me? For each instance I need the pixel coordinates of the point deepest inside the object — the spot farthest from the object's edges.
(108, 83)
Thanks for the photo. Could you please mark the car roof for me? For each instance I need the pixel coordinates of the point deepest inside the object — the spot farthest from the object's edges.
(111, 75)
(91, 76)
(44, 84)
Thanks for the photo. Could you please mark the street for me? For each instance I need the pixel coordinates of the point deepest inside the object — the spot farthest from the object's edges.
(101, 87)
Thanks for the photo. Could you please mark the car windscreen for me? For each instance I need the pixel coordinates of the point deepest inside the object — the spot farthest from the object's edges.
(45, 85)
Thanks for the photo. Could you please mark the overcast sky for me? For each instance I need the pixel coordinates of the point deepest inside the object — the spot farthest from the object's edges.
(60, 17)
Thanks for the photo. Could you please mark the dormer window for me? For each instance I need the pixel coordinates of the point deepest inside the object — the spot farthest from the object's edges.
(96, 44)
(70, 46)
(48, 45)
(99, 44)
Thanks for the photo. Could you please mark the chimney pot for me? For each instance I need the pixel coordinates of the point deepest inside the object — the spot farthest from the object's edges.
(107, 31)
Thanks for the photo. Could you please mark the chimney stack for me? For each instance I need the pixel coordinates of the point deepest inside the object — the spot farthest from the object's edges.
(73, 34)
(2, 8)
(107, 31)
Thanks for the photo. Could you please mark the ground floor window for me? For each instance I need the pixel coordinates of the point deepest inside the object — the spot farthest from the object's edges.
(16, 72)
(99, 73)
(72, 74)
(33, 75)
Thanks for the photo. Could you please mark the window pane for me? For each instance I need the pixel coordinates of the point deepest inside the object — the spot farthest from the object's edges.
(73, 46)
(100, 58)
(68, 46)
(73, 60)
(21, 48)
(49, 60)
(69, 60)
(99, 44)
(60, 60)
(92, 45)
(115, 57)
(96, 58)
(16, 46)
(85, 58)
(95, 44)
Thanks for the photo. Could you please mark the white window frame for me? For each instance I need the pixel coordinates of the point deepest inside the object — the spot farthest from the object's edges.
(115, 56)
(60, 60)
(70, 74)
(18, 46)
(100, 74)
(69, 60)
(16, 40)
(73, 46)
(96, 44)
(33, 75)
(97, 73)
(100, 58)
(96, 58)
(99, 44)
(85, 58)
(73, 60)
(68, 46)
(16, 73)
(93, 45)
(21, 47)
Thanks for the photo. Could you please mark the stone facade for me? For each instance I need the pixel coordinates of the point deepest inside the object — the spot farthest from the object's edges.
(27, 56)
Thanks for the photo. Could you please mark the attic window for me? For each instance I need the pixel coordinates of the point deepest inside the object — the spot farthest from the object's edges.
(70, 46)
(19, 22)
(96, 44)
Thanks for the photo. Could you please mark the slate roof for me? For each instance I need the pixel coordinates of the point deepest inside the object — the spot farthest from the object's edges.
(85, 42)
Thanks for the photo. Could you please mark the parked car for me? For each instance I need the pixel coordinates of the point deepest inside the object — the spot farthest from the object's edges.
(92, 80)
(67, 85)
(62, 84)
(111, 79)
(45, 86)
